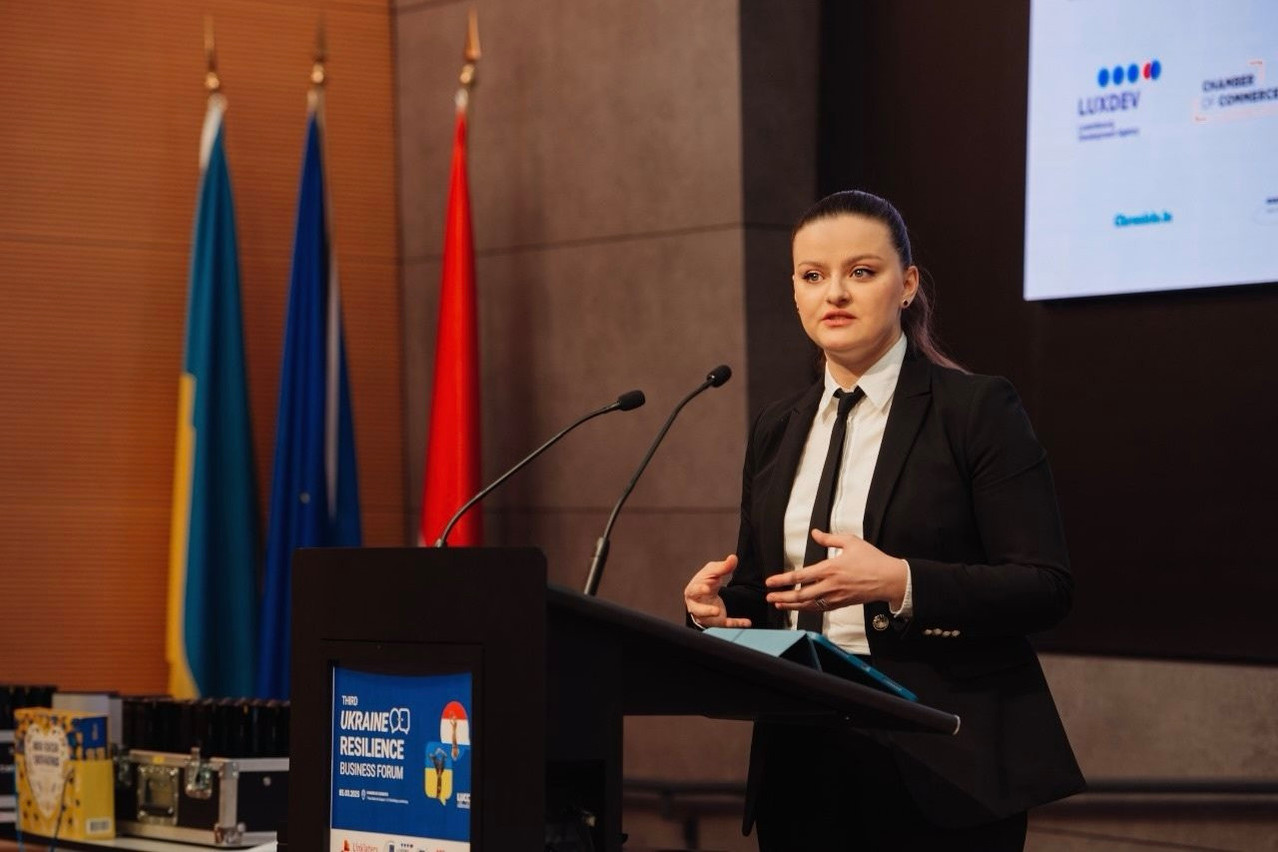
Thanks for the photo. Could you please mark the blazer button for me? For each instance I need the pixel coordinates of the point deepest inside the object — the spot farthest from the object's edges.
(880, 622)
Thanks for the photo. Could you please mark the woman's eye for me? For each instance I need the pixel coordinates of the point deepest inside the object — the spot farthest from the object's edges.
(812, 275)
(862, 272)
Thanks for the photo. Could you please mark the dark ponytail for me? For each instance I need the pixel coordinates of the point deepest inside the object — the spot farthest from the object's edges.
(916, 320)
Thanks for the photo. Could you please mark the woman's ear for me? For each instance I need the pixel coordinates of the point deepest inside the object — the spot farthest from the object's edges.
(911, 285)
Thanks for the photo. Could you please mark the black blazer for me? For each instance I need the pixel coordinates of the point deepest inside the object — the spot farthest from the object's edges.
(961, 490)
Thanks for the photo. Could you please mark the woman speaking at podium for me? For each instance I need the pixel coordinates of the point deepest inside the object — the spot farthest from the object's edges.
(904, 507)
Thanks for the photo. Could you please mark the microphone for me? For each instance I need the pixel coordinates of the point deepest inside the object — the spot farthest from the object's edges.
(714, 379)
(626, 402)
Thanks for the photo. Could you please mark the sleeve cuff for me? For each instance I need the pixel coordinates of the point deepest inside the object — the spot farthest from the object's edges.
(907, 602)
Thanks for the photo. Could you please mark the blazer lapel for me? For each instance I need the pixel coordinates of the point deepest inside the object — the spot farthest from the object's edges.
(785, 466)
(909, 406)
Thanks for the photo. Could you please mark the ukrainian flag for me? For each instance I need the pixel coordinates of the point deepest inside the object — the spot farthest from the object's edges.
(314, 493)
(213, 549)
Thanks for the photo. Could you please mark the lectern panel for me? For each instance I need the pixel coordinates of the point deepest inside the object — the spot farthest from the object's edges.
(420, 717)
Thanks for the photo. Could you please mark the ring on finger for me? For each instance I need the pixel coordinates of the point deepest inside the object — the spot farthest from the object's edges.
(821, 604)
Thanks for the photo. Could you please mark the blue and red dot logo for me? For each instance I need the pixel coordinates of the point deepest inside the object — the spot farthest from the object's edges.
(1131, 74)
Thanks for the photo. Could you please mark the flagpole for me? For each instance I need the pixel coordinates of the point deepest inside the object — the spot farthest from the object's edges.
(212, 82)
(333, 310)
(318, 74)
(215, 104)
(470, 55)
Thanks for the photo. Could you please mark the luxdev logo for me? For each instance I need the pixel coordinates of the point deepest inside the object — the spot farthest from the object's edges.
(1118, 76)
(1132, 74)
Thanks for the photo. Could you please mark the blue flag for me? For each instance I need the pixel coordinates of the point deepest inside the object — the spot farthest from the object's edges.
(314, 493)
(213, 550)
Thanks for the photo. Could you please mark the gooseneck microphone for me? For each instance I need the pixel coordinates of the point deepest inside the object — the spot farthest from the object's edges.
(626, 402)
(714, 379)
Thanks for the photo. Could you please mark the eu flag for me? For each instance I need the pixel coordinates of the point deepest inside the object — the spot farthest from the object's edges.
(213, 548)
(314, 494)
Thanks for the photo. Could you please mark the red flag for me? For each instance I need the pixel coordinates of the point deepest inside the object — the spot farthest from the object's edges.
(452, 447)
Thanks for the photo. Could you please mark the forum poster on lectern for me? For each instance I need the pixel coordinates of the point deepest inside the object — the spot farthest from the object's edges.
(401, 769)
(1151, 142)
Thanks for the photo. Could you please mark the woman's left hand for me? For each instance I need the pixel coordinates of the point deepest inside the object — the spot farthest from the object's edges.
(859, 574)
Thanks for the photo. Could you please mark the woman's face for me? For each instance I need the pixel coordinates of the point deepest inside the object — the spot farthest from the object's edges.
(849, 286)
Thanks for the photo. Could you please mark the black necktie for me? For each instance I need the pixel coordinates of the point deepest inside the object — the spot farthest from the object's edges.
(824, 504)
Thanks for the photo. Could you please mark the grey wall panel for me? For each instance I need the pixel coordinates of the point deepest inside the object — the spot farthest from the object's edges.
(420, 311)
(590, 119)
(567, 328)
(428, 57)
(707, 749)
(563, 330)
(605, 181)
(1164, 720)
(653, 552)
(1143, 718)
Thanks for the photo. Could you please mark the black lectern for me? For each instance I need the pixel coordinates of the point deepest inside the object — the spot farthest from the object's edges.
(552, 675)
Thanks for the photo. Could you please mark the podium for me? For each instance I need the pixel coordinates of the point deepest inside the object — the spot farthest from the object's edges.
(553, 675)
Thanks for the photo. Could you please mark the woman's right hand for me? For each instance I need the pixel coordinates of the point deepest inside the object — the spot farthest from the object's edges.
(701, 595)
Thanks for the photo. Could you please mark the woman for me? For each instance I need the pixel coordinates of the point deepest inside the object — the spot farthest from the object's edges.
(936, 547)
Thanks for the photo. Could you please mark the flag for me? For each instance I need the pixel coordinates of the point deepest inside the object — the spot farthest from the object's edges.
(213, 547)
(452, 449)
(314, 493)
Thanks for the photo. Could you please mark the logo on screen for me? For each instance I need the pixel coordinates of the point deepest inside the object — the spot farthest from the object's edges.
(1109, 114)
(1147, 217)
(1241, 93)
(1130, 74)
(446, 756)
(400, 720)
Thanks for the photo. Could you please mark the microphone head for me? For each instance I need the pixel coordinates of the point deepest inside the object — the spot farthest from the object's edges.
(630, 399)
(719, 375)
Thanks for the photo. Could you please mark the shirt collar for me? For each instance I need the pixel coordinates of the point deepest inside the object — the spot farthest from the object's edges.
(878, 382)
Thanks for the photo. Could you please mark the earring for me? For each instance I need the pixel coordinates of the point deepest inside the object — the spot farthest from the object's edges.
(905, 303)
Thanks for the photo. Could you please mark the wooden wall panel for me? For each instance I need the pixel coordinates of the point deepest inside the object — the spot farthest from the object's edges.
(102, 103)
(87, 374)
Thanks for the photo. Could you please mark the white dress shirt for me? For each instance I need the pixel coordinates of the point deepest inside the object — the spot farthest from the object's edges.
(845, 626)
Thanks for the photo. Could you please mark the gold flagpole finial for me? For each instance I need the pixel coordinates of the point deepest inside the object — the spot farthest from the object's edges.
(318, 73)
(212, 81)
(471, 52)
